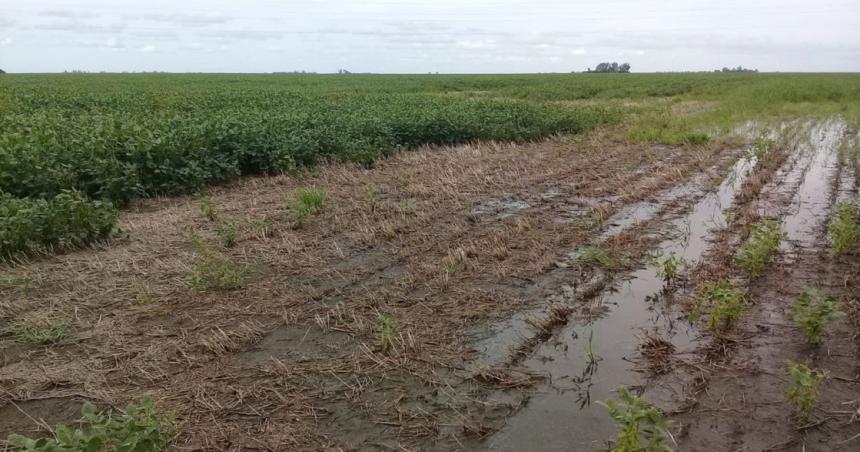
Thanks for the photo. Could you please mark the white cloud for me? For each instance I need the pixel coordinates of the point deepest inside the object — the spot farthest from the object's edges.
(428, 35)
(479, 44)
(114, 43)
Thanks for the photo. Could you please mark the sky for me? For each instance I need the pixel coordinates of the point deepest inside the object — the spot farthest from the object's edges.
(420, 36)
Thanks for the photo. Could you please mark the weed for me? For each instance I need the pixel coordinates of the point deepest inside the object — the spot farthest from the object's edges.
(226, 232)
(758, 251)
(30, 332)
(593, 255)
(668, 266)
(640, 426)
(213, 270)
(372, 195)
(386, 328)
(844, 229)
(761, 148)
(598, 215)
(137, 429)
(812, 311)
(591, 358)
(9, 282)
(803, 388)
(207, 208)
(306, 202)
(261, 227)
(722, 302)
(143, 295)
(406, 205)
(449, 266)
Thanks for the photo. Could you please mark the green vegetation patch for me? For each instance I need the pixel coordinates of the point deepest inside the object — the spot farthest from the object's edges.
(40, 334)
(721, 302)
(803, 388)
(844, 228)
(139, 428)
(760, 247)
(812, 311)
(65, 221)
(640, 426)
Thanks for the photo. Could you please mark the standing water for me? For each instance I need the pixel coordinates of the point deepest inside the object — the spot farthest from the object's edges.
(587, 362)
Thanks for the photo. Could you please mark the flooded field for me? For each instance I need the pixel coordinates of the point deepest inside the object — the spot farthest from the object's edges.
(480, 296)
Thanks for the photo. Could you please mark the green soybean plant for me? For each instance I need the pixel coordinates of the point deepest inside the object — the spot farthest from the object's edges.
(386, 328)
(803, 388)
(760, 247)
(139, 428)
(844, 229)
(669, 266)
(722, 302)
(641, 427)
(812, 311)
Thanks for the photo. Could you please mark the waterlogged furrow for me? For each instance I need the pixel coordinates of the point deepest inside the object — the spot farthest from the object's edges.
(802, 200)
(588, 361)
(496, 343)
(810, 204)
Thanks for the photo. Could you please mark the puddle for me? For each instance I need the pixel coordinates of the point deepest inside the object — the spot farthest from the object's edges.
(496, 342)
(808, 183)
(499, 209)
(563, 416)
(640, 212)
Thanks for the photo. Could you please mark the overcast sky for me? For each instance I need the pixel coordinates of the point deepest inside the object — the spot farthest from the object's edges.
(418, 36)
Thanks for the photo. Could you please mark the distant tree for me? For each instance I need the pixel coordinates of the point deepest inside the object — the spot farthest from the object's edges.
(736, 69)
(612, 67)
(2, 71)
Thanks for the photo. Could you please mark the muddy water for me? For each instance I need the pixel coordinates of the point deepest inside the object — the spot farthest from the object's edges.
(563, 416)
(811, 201)
(495, 342)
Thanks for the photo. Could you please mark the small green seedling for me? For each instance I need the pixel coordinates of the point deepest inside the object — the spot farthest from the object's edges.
(722, 302)
(372, 194)
(261, 227)
(592, 255)
(226, 232)
(207, 208)
(9, 282)
(137, 429)
(844, 229)
(386, 328)
(591, 357)
(143, 296)
(761, 148)
(803, 388)
(640, 426)
(669, 266)
(812, 311)
(759, 249)
(29, 332)
(406, 205)
(306, 202)
(214, 270)
(449, 266)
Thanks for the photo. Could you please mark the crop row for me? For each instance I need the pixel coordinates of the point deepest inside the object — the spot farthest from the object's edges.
(106, 152)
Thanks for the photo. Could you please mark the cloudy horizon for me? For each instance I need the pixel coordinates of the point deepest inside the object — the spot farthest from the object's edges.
(389, 36)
